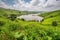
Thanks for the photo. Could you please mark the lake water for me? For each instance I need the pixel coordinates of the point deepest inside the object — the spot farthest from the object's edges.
(31, 17)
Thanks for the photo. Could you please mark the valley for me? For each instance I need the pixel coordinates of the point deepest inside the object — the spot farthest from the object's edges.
(13, 28)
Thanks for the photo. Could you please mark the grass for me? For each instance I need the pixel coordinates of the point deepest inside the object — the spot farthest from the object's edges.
(23, 30)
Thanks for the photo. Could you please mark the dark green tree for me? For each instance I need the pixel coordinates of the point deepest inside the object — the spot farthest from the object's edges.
(54, 23)
(12, 17)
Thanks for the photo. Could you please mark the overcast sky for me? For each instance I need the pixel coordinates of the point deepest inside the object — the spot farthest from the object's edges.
(31, 5)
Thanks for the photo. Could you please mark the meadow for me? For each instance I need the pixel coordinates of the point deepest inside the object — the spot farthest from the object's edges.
(12, 28)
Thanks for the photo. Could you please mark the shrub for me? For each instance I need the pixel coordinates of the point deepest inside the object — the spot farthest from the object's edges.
(14, 27)
(23, 19)
(1, 23)
(51, 16)
(12, 17)
(4, 36)
(54, 23)
(5, 15)
(42, 20)
(56, 37)
(20, 38)
(19, 12)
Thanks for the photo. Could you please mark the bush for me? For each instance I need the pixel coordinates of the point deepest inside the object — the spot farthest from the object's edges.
(56, 37)
(12, 17)
(5, 15)
(51, 16)
(42, 20)
(1, 23)
(20, 38)
(14, 27)
(54, 23)
(23, 19)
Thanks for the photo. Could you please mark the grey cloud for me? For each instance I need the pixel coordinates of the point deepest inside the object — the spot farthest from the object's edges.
(34, 5)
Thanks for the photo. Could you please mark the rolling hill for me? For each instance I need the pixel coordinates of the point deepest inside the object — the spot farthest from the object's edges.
(12, 28)
(51, 16)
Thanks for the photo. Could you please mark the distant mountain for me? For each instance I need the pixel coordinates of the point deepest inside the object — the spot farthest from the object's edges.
(11, 11)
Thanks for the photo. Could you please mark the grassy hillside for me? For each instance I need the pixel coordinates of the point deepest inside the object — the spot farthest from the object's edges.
(16, 29)
(9, 11)
(49, 14)
(49, 17)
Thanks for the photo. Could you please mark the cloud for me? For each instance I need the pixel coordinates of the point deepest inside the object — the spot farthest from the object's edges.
(2, 4)
(34, 5)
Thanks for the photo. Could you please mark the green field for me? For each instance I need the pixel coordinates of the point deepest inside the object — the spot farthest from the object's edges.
(12, 28)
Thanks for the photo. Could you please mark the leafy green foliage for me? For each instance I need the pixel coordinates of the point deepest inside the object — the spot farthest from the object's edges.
(23, 19)
(12, 17)
(1, 23)
(13, 27)
(54, 23)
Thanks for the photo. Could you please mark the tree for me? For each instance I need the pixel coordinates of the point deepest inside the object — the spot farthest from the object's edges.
(42, 21)
(54, 23)
(12, 17)
(23, 19)
(51, 16)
